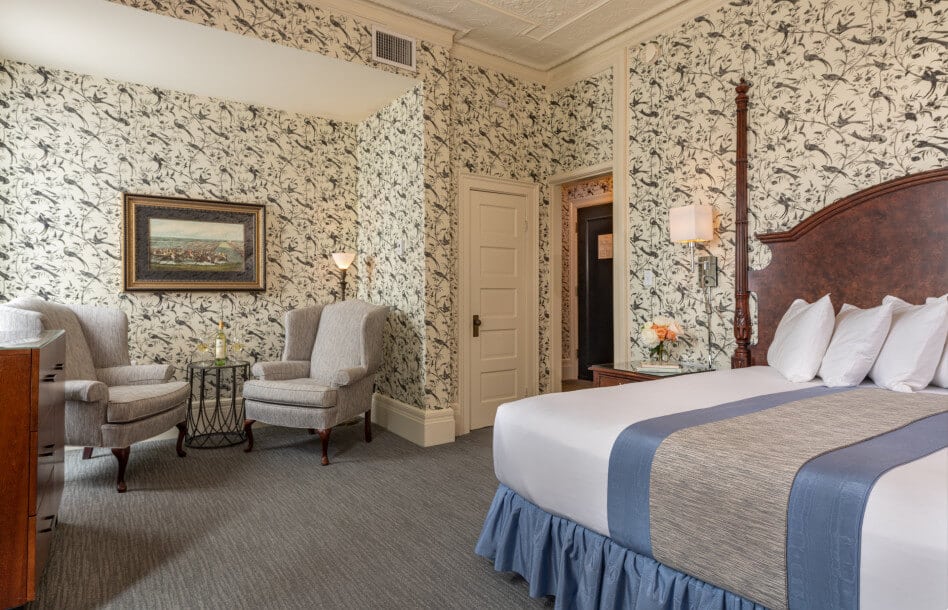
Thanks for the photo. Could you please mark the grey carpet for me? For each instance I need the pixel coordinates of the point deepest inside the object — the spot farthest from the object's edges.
(387, 525)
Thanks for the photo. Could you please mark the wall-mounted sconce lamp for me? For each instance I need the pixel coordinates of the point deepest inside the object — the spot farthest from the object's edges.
(693, 224)
(343, 260)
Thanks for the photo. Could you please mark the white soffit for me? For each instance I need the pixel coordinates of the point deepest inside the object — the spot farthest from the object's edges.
(543, 34)
(104, 39)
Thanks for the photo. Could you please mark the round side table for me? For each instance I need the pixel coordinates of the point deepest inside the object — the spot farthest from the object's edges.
(216, 424)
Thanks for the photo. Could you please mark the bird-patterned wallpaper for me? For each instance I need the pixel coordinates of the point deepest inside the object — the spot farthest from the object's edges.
(846, 94)
(74, 143)
(391, 239)
(581, 125)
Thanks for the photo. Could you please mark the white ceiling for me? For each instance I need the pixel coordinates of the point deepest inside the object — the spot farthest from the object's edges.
(541, 34)
(109, 40)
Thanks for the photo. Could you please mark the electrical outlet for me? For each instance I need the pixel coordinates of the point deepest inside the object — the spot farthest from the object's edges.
(648, 278)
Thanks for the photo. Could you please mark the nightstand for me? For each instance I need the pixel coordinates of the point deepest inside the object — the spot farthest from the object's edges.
(618, 373)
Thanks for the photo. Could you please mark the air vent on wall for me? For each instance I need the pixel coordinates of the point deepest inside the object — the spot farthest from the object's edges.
(393, 49)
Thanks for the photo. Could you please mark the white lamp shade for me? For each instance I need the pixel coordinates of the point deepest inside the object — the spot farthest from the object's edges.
(343, 259)
(691, 223)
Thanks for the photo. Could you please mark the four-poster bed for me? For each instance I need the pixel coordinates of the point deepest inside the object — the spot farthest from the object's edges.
(596, 505)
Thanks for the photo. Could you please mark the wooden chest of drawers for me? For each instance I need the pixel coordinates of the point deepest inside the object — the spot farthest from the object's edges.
(32, 412)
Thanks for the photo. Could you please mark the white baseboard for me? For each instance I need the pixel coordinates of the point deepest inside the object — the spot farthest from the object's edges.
(424, 427)
(570, 368)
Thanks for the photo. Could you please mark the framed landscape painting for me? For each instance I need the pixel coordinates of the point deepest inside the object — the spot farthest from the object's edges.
(187, 244)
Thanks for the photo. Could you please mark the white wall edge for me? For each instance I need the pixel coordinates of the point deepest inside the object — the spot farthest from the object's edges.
(423, 427)
(621, 193)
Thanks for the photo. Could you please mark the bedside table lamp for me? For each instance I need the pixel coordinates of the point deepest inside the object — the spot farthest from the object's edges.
(343, 260)
(693, 224)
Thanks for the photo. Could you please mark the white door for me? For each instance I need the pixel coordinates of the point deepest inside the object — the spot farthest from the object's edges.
(501, 312)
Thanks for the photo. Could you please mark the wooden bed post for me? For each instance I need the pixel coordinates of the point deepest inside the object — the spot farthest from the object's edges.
(742, 328)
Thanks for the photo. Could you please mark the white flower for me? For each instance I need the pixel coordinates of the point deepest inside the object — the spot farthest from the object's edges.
(662, 321)
(649, 337)
(676, 328)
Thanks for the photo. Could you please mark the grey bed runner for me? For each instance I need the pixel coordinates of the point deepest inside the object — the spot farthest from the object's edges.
(718, 492)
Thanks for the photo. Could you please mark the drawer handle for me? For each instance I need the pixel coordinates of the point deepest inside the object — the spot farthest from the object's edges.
(59, 366)
(50, 450)
(52, 524)
(49, 378)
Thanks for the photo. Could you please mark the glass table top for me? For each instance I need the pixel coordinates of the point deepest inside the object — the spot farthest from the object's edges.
(636, 367)
(209, 364)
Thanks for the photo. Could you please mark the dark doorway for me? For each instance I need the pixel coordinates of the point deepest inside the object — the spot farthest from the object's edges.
(594, 279)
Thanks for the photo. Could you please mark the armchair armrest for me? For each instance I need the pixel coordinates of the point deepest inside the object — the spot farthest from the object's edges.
(86, 390)
(281, 369)
(344, 377)
(137, 374)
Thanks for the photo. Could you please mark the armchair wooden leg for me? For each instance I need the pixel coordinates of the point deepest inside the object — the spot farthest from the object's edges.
(87, 453)
(182, 431)
(368, 426)
(121, 454)
(248, 423)
(324, 438)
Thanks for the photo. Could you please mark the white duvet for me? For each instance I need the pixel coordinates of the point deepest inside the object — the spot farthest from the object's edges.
(554, 451)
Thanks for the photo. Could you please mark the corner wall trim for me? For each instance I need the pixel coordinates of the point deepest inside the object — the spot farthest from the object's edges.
(424, 427)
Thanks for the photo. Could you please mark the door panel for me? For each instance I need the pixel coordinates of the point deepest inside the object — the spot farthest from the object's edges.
(499, 289)
(499, 344)
(594, 275)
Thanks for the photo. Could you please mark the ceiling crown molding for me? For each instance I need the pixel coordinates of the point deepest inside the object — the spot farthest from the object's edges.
(599, 58)
(392, 20)
(500, 64)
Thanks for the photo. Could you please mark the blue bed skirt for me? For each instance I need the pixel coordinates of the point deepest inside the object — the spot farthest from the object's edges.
(584, 569)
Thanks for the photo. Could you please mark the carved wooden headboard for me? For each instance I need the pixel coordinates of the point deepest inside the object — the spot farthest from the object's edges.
(891, 238)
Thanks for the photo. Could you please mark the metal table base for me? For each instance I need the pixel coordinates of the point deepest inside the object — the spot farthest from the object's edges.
(212, 425)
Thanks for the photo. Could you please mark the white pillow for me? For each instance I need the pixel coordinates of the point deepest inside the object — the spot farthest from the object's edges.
(941, 373)
(911, 352)
(801, 339)
(856, 342)
(20, 321)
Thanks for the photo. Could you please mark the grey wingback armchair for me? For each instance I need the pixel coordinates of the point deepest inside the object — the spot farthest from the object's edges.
(327, 372)
(110, 402)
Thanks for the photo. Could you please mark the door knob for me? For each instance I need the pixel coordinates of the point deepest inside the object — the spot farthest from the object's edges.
(477, 325)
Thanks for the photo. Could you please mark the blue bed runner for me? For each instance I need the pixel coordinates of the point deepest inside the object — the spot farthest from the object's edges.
(827, 503)
(827, 498)
(630, 462)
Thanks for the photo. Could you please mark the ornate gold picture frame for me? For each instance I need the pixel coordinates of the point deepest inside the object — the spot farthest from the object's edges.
(190, 244)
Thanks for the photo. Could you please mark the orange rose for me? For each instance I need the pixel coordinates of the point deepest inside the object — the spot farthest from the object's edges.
(661, 331)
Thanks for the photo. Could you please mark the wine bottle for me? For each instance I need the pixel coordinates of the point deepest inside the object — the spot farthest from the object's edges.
(220, 346)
